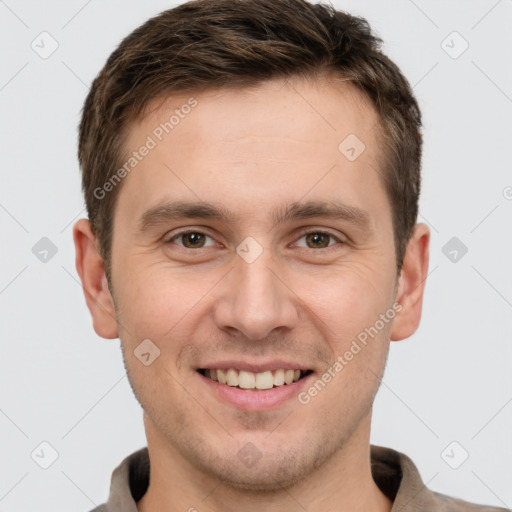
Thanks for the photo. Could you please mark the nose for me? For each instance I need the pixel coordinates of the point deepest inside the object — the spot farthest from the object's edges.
(255, 299)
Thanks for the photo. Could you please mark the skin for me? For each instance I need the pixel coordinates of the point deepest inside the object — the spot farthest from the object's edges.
(253, 150)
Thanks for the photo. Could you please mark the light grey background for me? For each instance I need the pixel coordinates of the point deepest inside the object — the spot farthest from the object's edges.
(451, 381)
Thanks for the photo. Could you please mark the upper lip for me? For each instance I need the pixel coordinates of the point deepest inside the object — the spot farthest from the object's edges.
(254, 367)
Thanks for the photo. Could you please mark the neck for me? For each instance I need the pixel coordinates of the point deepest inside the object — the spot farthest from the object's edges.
(343, 483)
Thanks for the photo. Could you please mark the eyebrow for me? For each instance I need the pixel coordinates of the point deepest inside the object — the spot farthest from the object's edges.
(166, 212)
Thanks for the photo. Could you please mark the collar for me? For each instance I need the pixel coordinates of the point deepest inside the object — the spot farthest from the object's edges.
(394, 473)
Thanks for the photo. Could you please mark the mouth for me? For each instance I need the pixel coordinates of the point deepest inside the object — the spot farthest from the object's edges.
(254, 381)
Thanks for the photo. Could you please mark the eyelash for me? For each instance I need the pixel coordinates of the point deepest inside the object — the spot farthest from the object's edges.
(303, 234)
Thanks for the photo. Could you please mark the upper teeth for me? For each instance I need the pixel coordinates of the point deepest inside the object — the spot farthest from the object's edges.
(251, 380)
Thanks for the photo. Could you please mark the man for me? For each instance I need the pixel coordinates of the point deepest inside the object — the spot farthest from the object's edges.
(251, 171)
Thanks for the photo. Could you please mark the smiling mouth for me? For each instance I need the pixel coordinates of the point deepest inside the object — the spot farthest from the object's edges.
(254, 381)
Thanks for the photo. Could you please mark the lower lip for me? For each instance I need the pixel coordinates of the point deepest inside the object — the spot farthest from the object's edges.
(257, 400)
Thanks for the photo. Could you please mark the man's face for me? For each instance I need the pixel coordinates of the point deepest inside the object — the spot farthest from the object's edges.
(278, 300)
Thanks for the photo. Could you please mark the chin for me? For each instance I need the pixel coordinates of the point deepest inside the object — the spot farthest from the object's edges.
(272, 477)
(273, 473)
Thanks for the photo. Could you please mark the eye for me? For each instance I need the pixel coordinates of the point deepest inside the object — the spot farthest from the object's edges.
(191, 240)
(318, 240)
(198, 240)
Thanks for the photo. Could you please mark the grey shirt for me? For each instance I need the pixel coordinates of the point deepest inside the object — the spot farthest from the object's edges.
(394, 473)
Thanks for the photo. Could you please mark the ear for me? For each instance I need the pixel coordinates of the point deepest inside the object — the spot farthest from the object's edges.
(412, 284)
(91, 270)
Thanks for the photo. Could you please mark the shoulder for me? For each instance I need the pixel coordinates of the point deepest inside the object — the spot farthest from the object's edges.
(449, 504)
(399, 479)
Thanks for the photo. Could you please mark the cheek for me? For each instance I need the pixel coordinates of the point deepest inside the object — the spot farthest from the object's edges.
(347, 299)
(154, 302)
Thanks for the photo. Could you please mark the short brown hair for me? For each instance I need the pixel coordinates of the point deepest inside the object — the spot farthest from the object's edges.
(204, 44)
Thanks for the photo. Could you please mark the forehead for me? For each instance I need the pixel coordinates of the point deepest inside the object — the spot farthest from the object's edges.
(281, 139)
(322, 108)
